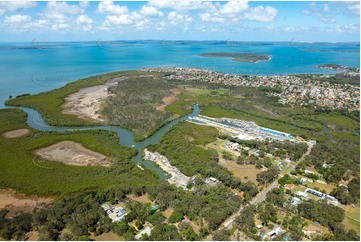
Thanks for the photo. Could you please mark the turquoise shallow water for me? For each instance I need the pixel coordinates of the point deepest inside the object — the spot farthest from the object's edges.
(37, 67)
(34, 68)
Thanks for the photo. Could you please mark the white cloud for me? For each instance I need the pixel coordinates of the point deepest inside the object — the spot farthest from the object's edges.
(349, 28)
(62, 27)
(261, 14)
(178, 17)
(161, 26)
(353, 7)
(179, 5)
(84, 22)
(150, 11)
(107, 7)
(84, 19)
(17, 19)
(234, 7)
(112, 20)
(124, 19)
(325, 7)
(142, 24)
(207, 17)
(10, 6)
(64, 8)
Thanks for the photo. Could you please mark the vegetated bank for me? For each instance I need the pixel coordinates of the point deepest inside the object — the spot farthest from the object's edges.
(25, 172)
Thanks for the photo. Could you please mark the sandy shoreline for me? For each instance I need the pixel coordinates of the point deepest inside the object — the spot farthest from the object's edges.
(87, 102)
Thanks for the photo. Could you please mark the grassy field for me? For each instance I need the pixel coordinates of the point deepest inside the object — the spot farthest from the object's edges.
(240, 171)
(352, 218)
(29, 174)
(327, 187)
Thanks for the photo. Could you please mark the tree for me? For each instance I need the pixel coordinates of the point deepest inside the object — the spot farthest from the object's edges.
(223, 235)
(286, 179)
(354, 188)
(165, 232)
(342, 195)
(187, 232)
(120, 227)
(245, 221)
(276, 197)
(267, 176)
(175, 217)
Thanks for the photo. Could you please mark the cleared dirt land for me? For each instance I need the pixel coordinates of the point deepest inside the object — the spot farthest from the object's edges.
(16, 133)
(110, 236)
(240, 171)
(87, 102)
(169, 100)
(32, 236)
(16, 202)
(142, 199)
(168, 212)
(72, 153)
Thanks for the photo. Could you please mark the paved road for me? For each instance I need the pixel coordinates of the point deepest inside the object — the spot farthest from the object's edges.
(261, 196)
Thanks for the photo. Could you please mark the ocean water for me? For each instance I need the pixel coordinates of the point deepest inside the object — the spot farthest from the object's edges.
(41, 66)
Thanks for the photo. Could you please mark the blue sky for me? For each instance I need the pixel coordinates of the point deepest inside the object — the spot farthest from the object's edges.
(182, 20)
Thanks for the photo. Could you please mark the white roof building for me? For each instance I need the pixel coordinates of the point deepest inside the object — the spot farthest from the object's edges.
(146, 230)
(117, 213)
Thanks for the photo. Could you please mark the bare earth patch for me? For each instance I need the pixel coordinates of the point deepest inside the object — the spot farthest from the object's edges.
(87, 102)
(32, 236)
(195, 227)
(168, 212)
(269, 111)
(142, 199)
(17, 202)
(16, 133)
(169, 100)
(72, 153)
(110, 236)
(240, 171)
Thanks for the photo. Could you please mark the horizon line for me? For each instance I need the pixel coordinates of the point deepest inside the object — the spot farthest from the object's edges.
(183, 40)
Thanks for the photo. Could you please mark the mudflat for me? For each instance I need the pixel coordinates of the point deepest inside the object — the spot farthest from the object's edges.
(16, 133)
(72, 153)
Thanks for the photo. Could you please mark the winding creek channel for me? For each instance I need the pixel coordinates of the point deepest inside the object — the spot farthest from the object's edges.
(36, 121)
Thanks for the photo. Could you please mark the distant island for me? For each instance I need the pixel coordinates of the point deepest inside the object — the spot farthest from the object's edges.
(240, 57)
(336, 67)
